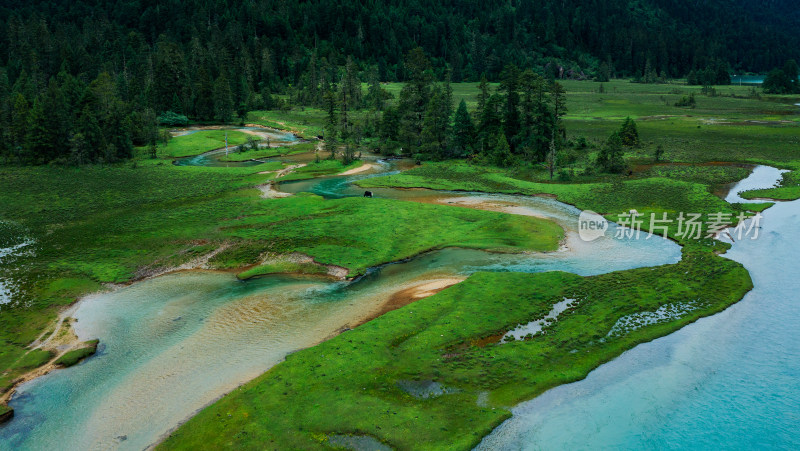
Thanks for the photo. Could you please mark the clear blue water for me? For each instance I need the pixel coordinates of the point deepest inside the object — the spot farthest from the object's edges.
(747, 79)
(211, 158)
(730, 381)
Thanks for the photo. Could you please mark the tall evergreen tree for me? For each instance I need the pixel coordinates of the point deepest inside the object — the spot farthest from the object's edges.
(223, 99)
(463, 136)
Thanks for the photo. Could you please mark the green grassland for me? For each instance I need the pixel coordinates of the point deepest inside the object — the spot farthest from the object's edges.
(358, 233)
(200, 142)
(304, 121)
(96, 225)
(653, 195)
(351, 384)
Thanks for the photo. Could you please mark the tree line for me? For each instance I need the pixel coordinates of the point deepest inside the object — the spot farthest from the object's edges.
(216, 59)
(519, 122)
(785, 80)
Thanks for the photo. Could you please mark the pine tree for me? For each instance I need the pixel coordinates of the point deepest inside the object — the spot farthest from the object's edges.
(499, 152)
(19, 120)
(559, 102)
(414, 98)
(435, 126)
(223, 99)
(375, 94)
(511, 116)
(491, 123)
(204, 95)
(629, 133)
(463, 135)
(610, 159)
(485, 92)
(40, 145)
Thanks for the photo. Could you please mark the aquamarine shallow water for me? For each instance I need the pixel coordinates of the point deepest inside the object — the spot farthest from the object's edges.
(730, 381)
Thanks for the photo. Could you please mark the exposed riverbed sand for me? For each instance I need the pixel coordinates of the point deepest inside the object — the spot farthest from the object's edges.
(412, 294)
(268, 190)
(363, 168)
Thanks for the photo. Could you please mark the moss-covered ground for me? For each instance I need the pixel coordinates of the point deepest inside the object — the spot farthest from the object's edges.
(76, 355)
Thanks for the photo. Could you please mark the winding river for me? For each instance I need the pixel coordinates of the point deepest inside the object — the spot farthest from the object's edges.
(172, 344)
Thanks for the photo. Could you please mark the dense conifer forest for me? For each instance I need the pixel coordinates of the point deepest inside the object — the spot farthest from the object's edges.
(86, 81)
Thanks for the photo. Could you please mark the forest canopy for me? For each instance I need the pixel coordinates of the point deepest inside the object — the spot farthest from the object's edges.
(98, 74)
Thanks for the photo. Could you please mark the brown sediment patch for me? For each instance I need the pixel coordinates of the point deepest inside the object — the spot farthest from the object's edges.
(269, 192)
(285, 171)
(485, 341)
(411, 294)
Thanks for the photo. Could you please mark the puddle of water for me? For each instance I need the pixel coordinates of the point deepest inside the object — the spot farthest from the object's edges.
(425, 389)
(358, 443)
(665, 313)
(534, 327)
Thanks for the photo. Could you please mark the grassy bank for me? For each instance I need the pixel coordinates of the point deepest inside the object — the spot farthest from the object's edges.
(200, 142)
(358, 383)
(270, 152)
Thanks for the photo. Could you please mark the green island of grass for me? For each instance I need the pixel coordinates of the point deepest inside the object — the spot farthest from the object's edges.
(6, 413)
(282, 267)
(270, 152)
(320, 168)
(200, 142)
(76, 355)
(789, 189)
